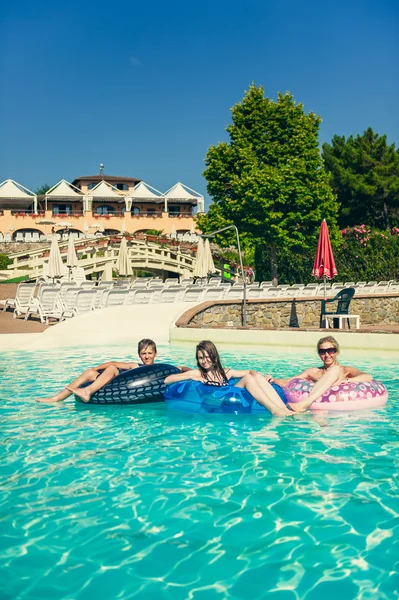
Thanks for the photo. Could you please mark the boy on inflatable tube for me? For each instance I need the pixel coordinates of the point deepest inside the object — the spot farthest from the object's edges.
(104, 373)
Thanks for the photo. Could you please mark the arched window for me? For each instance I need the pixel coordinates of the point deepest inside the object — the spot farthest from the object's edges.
(121, 186)
(135, 210)
(104, 210)
(92, 185)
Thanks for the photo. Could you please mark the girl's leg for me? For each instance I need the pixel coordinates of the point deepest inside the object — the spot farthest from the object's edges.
(89, 375)
(321, 386)
(85, 393)
(268, 397)
(264, 384)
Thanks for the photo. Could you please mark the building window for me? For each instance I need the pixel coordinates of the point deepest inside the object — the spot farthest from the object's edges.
(135, 210)
(174, 210)
(121, 186)
(92, 185)
(104, 210)
(62, 209)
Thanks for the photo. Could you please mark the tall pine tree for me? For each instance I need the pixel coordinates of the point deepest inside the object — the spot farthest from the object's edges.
(365, 176)
(269, 179)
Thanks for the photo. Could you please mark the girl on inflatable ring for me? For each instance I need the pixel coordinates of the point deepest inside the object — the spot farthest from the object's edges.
(211, 373)
(329, 374)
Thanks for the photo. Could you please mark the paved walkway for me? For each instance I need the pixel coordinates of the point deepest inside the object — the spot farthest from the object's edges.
(10, 325)
(112, 325)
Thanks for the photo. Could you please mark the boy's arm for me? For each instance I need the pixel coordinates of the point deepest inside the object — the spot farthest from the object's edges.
(183, 369)
(190, 374)
(118, 365)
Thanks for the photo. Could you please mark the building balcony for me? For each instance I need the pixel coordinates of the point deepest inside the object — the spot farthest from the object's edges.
(20, 224)
(26, 213)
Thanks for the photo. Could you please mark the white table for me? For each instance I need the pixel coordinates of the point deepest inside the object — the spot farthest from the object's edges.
(340, 319)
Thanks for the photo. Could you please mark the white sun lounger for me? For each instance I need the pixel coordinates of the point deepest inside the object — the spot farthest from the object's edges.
(214, 293)
(143, 296)
(193, 293)
(47, 307)
(84, 301)
(22, 300)
(169, 294)
(116, 297)
(236, 292)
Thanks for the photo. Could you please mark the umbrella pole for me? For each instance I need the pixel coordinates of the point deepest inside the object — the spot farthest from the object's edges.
(325, 288)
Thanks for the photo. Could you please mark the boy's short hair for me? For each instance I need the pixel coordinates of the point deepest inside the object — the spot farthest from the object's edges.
(146, 343)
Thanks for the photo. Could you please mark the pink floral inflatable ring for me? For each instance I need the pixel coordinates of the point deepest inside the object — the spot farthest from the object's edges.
(346, 396)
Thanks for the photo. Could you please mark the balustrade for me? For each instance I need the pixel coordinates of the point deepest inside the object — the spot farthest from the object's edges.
(141, 253)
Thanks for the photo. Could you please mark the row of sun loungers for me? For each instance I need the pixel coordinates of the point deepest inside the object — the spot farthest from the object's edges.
(69, 299)
(265, 289)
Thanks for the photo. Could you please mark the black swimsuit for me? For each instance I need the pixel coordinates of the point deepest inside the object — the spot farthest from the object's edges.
(217, 383)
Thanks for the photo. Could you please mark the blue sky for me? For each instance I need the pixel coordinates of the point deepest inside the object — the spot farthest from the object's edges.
(146, 88)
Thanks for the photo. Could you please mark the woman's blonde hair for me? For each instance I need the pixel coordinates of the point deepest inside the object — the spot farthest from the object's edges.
(330, 339)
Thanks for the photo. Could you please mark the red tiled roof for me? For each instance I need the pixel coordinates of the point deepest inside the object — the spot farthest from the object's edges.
(106, 178)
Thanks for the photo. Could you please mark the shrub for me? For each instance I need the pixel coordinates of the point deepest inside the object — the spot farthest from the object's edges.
(364, 254)
(4, 261)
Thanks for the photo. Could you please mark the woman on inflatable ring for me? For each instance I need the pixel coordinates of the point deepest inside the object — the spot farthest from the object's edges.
(211, 374)
(332, 386)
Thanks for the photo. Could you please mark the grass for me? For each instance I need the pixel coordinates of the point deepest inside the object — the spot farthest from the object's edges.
(17, 279)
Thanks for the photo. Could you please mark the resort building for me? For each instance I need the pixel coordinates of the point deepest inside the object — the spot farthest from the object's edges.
(109, 204)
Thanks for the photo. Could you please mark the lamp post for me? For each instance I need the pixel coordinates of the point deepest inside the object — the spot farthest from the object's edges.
(244, 300)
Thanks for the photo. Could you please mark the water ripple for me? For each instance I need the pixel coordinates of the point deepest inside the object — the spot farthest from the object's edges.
(139, 502)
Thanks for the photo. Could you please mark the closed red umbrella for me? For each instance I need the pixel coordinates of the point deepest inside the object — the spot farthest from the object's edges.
(324, 265)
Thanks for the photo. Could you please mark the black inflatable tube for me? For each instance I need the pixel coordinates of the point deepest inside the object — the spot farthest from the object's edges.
(135, 386)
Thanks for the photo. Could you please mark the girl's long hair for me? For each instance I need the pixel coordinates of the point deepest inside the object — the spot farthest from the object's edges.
(210, 348)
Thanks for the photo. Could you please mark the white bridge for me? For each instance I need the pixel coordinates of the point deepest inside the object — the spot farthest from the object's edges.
(95, 254)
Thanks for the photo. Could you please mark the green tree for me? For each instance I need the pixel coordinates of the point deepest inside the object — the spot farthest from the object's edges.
(43, 189)
(365, 176)
(269, 179)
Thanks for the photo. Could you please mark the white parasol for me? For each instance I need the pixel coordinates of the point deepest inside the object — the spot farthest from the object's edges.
(200, 269)
(72, 259)
(107, 273)
(123, 264)
(55, 264)
(64, 224)
(210, 267)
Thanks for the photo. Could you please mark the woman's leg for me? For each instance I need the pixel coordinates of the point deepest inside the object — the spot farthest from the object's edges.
(268, 397)
(325, 382)
(88, 375)
(85, 393)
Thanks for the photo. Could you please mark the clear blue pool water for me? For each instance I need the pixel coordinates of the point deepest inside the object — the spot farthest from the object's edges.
(140, 503)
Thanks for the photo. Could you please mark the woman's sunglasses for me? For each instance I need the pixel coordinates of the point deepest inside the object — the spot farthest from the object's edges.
(330, 351)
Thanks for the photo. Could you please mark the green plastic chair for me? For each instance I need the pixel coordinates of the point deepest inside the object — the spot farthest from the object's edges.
(343, 299)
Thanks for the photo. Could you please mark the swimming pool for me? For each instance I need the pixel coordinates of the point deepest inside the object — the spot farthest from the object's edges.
(131, 502)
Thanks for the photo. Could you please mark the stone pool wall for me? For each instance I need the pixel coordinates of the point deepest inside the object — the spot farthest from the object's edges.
(373, 309)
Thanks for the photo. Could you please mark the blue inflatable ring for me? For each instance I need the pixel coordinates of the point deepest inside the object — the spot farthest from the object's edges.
(196, 397)
(134, 386)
